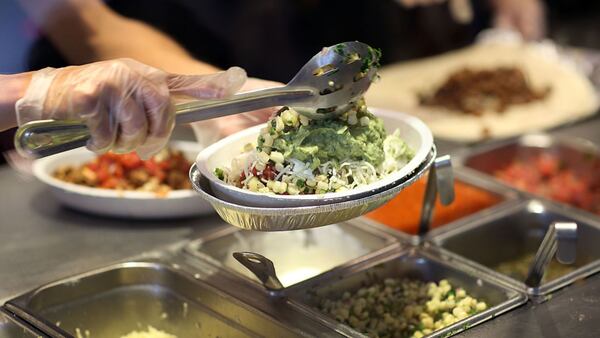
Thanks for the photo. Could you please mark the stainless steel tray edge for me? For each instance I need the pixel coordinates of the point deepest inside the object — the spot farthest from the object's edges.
(48, 329)
(27, 329)
(483, 182)
(401, 236)
(471, 219)
(25, 296)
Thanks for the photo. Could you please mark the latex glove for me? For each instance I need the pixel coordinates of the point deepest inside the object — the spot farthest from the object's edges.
(525, 16)
(210, 131)
(126, 105)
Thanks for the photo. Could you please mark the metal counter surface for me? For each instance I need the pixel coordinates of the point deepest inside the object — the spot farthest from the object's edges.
(571, 312)
(41, 241)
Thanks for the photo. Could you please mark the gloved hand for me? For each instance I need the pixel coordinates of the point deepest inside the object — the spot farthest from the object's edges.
(126, 105)
(210, 131)
(524, 16)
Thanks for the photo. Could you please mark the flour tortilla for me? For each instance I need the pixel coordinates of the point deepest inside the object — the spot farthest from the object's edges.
(572, 96)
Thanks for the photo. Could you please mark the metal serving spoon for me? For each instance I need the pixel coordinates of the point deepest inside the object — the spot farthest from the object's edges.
(323, 88)
(262, 267)
(560, 238)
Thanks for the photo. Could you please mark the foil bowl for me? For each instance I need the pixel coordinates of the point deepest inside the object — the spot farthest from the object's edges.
(305, 217)
(413, 131)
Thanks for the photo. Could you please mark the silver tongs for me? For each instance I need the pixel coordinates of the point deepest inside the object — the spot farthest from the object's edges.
(325, 87)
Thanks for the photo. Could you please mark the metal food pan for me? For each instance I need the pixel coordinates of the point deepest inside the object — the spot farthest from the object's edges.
(417, 263)
(297, 255)
(519, 230)
(117, 300)
(12, 327)
(485, 160)
(504, 195)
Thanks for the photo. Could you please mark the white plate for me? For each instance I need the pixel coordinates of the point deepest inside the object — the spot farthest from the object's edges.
(125, 204)
(412, 130)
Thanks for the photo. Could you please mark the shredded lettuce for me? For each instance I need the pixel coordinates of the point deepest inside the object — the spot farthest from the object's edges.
(296, 155)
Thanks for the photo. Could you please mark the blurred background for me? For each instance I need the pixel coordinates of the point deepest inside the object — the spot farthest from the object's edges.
(234, 33)
(570, 22)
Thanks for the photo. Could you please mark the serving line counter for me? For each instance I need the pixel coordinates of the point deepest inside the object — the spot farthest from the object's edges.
(41, 241)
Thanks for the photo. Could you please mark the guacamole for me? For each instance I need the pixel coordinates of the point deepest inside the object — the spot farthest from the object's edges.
(297, 155)
(335, 140)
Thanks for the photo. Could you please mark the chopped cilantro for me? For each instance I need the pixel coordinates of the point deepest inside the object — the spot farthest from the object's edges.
(340, 49)
(220, 173)
(372, 60)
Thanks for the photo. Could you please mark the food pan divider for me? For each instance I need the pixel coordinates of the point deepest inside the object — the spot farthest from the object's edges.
(546, 212)
(473, 218)
(416, 262)
(225, 311)
(402, 237)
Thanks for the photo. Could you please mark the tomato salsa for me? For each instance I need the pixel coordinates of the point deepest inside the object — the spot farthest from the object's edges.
(574, 181)
(160, 174)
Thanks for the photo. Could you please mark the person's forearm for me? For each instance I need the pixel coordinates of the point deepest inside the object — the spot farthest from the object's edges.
(87, 31)
(12, 88)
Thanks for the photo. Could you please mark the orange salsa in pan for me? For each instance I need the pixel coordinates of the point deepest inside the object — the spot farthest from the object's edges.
(404, 211)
